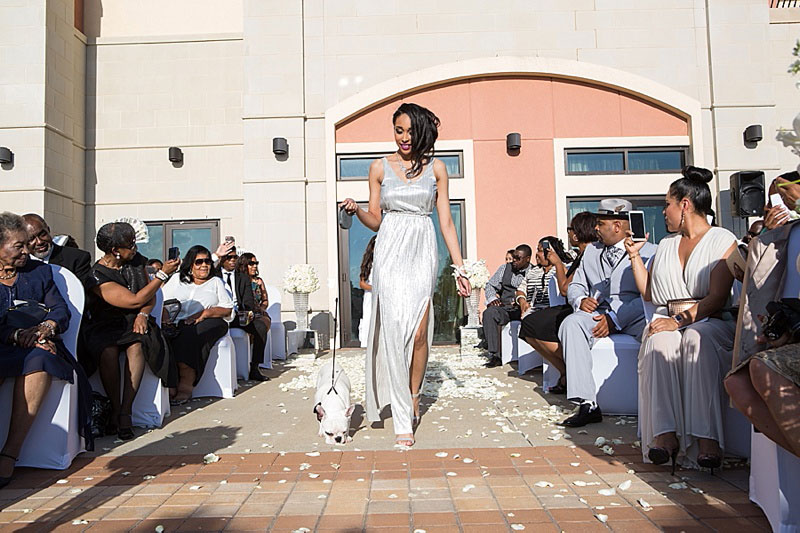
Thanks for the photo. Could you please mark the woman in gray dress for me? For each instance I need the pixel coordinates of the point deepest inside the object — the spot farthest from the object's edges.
(404, 187)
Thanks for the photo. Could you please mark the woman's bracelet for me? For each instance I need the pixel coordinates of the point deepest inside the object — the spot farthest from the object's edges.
(518, 297)
(460, 270)
(163, 276)
(141, 313)
(632, 256)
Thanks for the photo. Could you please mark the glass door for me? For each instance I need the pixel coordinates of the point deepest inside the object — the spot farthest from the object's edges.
(448, 307)
(183, 234)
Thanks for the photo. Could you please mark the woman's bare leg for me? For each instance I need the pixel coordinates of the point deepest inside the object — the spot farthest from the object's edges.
(550, 351)
(29, 392)
(419, 361)
(783, 400)
(747, 400)
(186, 375)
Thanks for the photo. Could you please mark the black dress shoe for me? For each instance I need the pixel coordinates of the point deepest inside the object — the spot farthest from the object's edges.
(493, 362)
(585, 415)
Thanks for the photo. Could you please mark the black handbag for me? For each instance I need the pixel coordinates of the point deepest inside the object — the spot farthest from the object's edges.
(170, 328)
(26, 314)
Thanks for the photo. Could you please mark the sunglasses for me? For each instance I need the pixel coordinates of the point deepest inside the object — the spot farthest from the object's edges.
(203, 261)
(253, 263)
(569, 228)
(518, 257)
(229, 257)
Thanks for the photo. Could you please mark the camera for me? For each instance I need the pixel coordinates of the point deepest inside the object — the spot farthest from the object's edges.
(783, 318)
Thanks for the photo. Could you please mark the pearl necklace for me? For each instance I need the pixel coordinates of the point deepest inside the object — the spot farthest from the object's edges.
(9, 276)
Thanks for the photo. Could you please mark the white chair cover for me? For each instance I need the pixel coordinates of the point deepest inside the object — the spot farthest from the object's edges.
(219, 378)
(243, 350)
(53, 440)
(277, 331)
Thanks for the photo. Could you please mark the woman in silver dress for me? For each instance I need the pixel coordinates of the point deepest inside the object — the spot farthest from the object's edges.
(404, 187)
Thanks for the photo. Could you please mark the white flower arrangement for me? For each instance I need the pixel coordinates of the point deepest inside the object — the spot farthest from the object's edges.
(300, 278)
(475, 271)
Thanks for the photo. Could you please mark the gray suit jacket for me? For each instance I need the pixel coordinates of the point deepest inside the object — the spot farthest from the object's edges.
(617, 286)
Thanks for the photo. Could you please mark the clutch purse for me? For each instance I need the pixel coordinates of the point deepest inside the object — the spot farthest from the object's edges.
(680, 305)
(26, 314)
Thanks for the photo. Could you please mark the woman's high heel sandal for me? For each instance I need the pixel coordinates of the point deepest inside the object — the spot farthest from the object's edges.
(709, 460)
(659, 456)
(125, 432)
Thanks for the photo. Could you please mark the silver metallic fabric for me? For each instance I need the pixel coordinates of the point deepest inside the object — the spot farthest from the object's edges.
(404, 277)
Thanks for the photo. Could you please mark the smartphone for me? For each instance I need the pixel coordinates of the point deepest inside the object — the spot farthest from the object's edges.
(229, 238)
(775, 199)
(636, 220)
(545, 246)
(173, 253)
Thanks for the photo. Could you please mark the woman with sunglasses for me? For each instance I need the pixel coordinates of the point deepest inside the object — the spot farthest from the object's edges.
(206, 310)
(248, 265)
(118, 319)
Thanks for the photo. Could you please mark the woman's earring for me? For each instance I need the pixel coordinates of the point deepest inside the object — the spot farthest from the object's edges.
(683, 216)
(120, 257)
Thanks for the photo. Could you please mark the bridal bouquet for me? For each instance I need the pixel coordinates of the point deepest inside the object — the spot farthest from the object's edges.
(301, 278)
(475, 271)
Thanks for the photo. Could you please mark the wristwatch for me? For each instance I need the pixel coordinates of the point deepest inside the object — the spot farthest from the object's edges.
(678, 319)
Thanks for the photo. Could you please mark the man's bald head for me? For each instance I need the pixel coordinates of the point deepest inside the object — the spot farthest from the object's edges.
(40, 241)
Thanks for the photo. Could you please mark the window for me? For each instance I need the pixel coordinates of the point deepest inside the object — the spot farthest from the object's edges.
(625, 160)
(183, 234)
(352, 167)
(651, 205)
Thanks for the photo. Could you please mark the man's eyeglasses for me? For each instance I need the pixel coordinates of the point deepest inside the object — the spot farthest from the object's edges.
(203, 261)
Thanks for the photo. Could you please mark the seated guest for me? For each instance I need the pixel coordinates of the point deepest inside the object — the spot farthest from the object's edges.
(239, 286)
(42, 248)
(540, 329)
(206, 309)
(765, 383)
(153, 266)
(605, 300)
(753, 231)
(501, 307)
(509, 255)
(31, 353)
(119, 318)
(248, 265)
(686, 349)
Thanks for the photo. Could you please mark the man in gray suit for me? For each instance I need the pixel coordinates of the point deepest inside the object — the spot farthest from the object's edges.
(604, 296)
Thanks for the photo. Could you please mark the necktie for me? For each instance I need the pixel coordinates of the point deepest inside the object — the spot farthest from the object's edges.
(612, 255)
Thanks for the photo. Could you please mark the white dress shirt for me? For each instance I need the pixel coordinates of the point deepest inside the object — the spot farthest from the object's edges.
(230, 275)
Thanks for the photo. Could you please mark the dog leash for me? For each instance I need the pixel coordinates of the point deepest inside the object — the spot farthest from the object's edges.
(333, 363)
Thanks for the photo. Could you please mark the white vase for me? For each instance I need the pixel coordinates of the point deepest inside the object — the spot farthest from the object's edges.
(473, 300)
(301, 309)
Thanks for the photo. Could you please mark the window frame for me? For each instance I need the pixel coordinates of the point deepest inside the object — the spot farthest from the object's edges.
(684, 150)
(377, 155)
(169, 225)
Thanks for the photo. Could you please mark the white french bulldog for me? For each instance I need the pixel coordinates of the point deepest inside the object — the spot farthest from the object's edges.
(332, 404)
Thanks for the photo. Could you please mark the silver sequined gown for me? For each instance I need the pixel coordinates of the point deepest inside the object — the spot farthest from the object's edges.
(403, 281)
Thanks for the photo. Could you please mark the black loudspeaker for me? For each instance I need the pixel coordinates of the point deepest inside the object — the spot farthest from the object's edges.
(513, 141)
(175, 154)
(747, 193)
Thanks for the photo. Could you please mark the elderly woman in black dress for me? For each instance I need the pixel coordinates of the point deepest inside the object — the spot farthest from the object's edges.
(31, 355)
(119, 319)
(540, 329)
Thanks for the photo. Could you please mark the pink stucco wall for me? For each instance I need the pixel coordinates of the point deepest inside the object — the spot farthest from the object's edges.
(515, 195)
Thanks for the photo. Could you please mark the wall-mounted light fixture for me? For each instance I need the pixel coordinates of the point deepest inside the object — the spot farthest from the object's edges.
(280, 146)
(753, 134)
(513, 142)
(175, 154)
(6, 155)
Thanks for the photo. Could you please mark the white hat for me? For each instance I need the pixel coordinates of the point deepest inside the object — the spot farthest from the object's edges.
(614, 208)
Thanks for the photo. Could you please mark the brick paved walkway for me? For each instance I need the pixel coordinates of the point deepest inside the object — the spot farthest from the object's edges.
(546, 488)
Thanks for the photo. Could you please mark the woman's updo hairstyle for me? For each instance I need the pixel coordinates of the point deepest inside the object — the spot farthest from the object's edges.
(424, 132)
(694, 186)
(115, 235)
